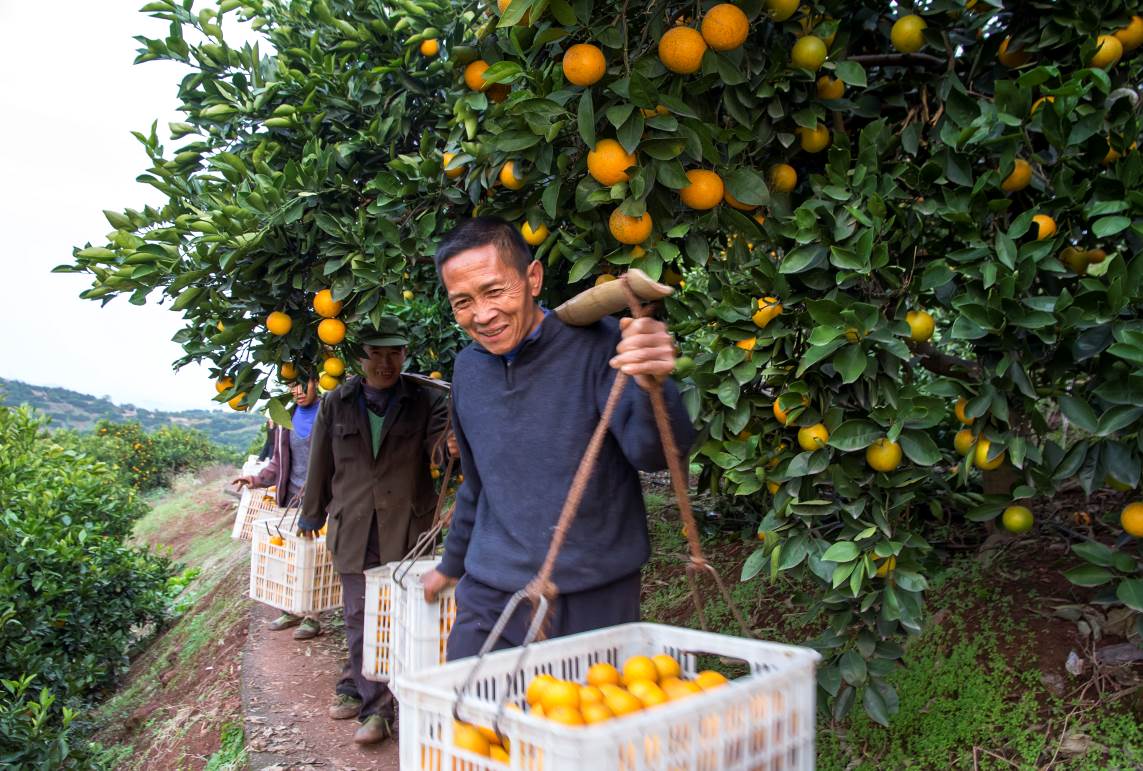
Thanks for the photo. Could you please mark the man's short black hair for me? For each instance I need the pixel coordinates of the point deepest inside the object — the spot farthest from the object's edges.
(482, 231)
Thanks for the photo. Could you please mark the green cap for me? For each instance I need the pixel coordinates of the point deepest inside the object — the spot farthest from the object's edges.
(390, 332)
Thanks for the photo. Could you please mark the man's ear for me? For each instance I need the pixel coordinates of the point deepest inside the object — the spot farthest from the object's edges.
(535, 277)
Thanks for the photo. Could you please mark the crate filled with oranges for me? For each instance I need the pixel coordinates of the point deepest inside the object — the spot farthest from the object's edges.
(292, 573)
(403, 632)
(254, 506)
(628, 697)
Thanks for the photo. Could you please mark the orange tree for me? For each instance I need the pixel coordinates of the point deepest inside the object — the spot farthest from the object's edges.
(887, 222)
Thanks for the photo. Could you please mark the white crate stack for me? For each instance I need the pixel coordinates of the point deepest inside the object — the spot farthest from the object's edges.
(403, 633)
(763, 720)
(296, 575)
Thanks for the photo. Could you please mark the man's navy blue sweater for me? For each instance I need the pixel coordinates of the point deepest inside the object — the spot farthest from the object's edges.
(522, 427)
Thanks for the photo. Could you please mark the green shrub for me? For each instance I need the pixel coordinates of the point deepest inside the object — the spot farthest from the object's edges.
(31, 733)
(149, 460)
(73, 597)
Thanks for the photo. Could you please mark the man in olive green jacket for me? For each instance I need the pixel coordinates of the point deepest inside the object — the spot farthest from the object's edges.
(370, 472)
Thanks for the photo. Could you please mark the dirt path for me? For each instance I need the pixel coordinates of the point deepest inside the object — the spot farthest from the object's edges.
(286, 688)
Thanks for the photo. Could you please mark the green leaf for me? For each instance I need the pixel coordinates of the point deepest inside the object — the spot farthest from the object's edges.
(919, 447)
(1109, 226)
(729, 391)
(880, 702)
(803, 258)
(1130, 593)
(1079, 412)
(1094, 552)
(842, 551)
(1117, 418)
(808, 463)
(1088, 575)
(279, 414)
(850, 363)
(852, 667)
(586, 119)
(753, 565)
(855, 435)
(851, 73)
(728, 358)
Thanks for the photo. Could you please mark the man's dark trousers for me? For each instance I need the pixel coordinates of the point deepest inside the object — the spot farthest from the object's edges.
(478, 606)
(376, 698)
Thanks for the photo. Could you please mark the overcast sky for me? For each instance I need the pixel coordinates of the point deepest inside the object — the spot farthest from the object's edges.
(69, 99)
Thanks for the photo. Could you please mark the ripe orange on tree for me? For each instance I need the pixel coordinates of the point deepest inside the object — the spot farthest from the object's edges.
(607, 162)
(331, 331)
(921, 325)
(223, 385)
(963, 441)
(236, 402)
(681, 50)
(961, 403)
(907, 34)
(1045, 226)
(451, 171)
(734, 203)
(883, 455)
(1131, 518)
(981, 456)
(1013, 58)
(1020, 177)
(725, 27)
(334, 366)
(809, 53)
(474, 75)
(508, 176)
(780, 10)
(629, 230)
(783, 178)
(534, 237)
(324, 304)
(279, 323)
(705, 190)
(1108, 52)
(814, 140)
(328, 382)
(1131, 36)
(769, 308)
(811, 438)
(584, 64)
(430, 47)
(288, 371)
(830, 88)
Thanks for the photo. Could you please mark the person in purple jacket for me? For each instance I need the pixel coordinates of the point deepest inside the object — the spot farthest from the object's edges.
(287, 471)
(526, 396)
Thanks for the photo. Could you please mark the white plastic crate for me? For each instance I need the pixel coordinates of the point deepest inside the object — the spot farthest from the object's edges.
(763, 720)
(402, 631)
(253, 506)
(297, 576)
(252, 465)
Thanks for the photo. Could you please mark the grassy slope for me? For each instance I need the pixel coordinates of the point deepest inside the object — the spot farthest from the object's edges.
(971, 695)
(180, 706)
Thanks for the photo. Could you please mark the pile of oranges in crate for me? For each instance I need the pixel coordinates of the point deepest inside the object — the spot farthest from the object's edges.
(644, 682)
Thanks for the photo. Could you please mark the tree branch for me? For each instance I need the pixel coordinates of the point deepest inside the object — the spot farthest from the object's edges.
(902, 60)
(945, 364)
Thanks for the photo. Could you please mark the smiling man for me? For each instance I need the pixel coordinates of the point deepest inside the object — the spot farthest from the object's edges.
(370, 471)
(527, 395)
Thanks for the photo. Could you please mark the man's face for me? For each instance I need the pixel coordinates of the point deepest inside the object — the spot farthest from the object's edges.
(491, 300)
(382, 365)
(304, 394)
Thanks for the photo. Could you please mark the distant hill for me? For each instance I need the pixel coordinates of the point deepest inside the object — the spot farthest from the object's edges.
(80, 412)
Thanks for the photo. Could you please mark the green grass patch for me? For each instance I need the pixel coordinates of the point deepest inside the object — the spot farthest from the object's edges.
(231, 756)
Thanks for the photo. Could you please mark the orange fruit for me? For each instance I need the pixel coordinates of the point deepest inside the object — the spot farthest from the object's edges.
(288, 371)
(604, 278)
(584, 64)
(499, 754)
(920, 325)
(883, 455)
(536, 688)
(223, 385)
(907, 34)
(768, 309)
(961, 403)
(1131, 518)
(629, 230)
(660, 109)
(560, 693)
(709, 680)
(621, 702)
(430, 47)
(780, 10)
(331, 331)
(324, 304)
(1040, 103)
(814, 140)
(886, 567)
(725, 27)
(666, 666)
(590, 694)
(963, 441)
(1017, 519)
(1131, 36)
(650, 694)
(680, 689)
(474, 75)
(277, 540)
(534, 237)
(681, 50)
(602, 673)
(596, 713)
(809, 53)
(607, 162)
(813, 437)
(334, 366)
(467, 737)
(1045, 226)
(704, 191)
(452, 172)
(328, 382)
(830, 88)
(279, 323)
(783, 178)
(1108, 51)
(981, 456)
(747, 344)
(508, 176)
(639, 668)
(1014, 58)
(1020, 177)
(565, 715)
(782, 415)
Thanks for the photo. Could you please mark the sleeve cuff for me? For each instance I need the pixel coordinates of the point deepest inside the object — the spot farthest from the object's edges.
(308, 523)
(451, 566)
